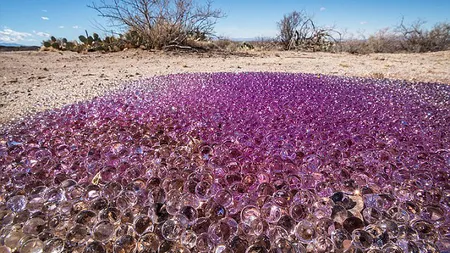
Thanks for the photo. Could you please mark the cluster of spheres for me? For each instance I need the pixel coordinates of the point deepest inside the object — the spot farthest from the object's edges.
(249, 162)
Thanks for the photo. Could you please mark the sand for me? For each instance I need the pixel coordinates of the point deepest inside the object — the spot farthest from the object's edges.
(31, 82)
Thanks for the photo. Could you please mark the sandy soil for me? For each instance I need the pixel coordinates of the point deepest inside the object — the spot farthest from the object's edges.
(35, 81)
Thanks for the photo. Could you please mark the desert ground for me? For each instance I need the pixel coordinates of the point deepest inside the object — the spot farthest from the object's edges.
(31, 82)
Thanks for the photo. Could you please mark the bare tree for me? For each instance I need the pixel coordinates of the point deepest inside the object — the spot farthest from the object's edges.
(161, 22)
(288, 27)
(298, 30)
(415, 38)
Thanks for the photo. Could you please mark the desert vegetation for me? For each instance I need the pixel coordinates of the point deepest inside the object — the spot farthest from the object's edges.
(412, 37)
(298, 31)
(188, 25)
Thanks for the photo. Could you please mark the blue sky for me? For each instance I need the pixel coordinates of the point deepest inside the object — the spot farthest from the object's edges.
(29, 22)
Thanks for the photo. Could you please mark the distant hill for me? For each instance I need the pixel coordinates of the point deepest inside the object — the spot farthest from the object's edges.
(16, 47)
(5, 44)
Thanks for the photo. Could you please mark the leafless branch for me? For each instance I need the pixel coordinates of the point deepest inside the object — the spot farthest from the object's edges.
(161, 22)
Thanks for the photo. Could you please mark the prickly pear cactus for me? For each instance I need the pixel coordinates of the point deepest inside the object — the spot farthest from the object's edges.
(96, 37)
(55, 45)
(82, 38)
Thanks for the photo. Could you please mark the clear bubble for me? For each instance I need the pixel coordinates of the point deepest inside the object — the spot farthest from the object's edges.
(54, 245)
(148, 242)
(202, 190)
(32, 246)
(341, 239)
(256, 249)
(222, 230)
(271, 212)
(189, 213)
(282, 245)
(305, 231)
(94, 247)
(323, 244)
(54, 195)
(249, 214)
(424, 229)
(77, 233)
(34, 226)
(142, 223)
(17, 203)
(224, 198)
(204, 243)
(98, 204)
(171, 230)
(362, 239)
(86, 217)
(352, 223)
(389, 227)
(286, 222)
(433, 213)
(372, 215)
(298, 211)
(189, 239)
(125, 243)
(110, 214)
(102, 231)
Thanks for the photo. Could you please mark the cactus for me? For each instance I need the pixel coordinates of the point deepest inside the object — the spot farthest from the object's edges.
(53, 39)
(96, 37)
(70, 46)
(47, 44)
(55, 45)
(82, 39)
(90, 40)
(64, 40)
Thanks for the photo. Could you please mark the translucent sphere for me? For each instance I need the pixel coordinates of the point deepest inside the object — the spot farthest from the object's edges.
(249, 214)
(17, 203)
(34, 226)
(94, 247)
(305, 231)
(125, 243)
(32, 246)
(148, 242)
(271, 212)
(102, 231)
(54, 245)
(171, 230)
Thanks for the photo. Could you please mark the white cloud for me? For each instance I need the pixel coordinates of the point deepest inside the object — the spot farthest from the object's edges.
(41, 34)
(8, 35)
(61, 26)
(322, 8)
(75, 27)
(44, 10)
(363, 22)
(45, 18)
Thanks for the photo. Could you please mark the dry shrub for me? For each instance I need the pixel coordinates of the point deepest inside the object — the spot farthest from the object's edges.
(412, 38)
(354, 46)
(384, 41)
(161, 23)
(297, 30)
(377, 75)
